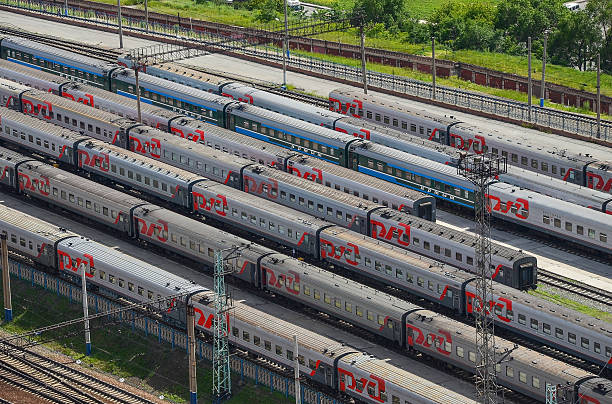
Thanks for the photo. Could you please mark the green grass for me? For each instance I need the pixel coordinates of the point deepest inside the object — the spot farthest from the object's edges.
(450, 82)
(117, 350)
(579, 307)
(218, 12)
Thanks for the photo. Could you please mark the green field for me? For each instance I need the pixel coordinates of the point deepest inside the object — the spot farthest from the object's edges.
(121, 352)
(566, 76)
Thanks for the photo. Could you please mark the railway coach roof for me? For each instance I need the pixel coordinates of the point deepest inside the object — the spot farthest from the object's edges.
(92, 114)
(33, 225)
(292, 125)
(28, 71)
(193, 74)
(317, 190)
(365, 179)
(450, 234)
(131, 158)
(402, 108)
(280, 211)
(127, 264)
(562, 314)
(10, 156)
(89, 188)
(61, 56)
(401, 255)
(44, 127)
(172, 89)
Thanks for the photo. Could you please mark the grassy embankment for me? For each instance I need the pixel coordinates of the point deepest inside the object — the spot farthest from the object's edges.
(121, 352)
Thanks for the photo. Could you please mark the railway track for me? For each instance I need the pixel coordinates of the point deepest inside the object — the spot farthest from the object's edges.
(107, 55)
(578, 288)
(57, 382)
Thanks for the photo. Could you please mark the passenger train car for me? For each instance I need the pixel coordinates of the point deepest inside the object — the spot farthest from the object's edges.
(408, 325)
(367, 187)
(511, 267)
(551, 156)
(424, 178)
(323, 360)
(410, 130)
(439, 283)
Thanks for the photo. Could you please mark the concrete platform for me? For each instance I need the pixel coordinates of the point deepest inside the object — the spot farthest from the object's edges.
(417, 368)
(249, 69)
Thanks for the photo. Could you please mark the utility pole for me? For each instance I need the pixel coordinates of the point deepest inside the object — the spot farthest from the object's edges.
(285, 50)
(66, 8)
(137, 67)
(146, 15)
(364, 72)
(191, 348)
(222, 378)
(598, 97)
(6, 281)
(543, 86)
(296, 370)
(529, 85)
(433, 67)
(85, 312)
(480, 169)
(119, 22)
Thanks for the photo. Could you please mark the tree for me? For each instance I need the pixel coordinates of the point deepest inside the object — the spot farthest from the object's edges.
(528, 18)
(370, 12)
(600, 12)
(576, 40)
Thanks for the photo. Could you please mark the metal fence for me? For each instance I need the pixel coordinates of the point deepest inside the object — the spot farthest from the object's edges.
(243, 368)
(545, 117)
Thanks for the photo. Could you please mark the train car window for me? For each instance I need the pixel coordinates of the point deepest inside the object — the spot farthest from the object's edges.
(192, 245)
(256, 340)
(458, 257)
(164, 187)
(596, 347)
(80, 201)
(111, 278)
(105, 211)
(289, 355)
(546, 328)
(608, 352)
(558, 333)
(312, 364)
(359, 311)
(140, 290)
(584, 342)
(420, 281)
(523, 377)
(514, 158)
(509, 371)
(367, 262)
(579, 230)
(571, 338)
(279, 350)
(317, 295)
(348, 307)
(592, 233)
(71, 198)
(421, 130)
(386, 120)
(436, 249)
(535, 382)
(459, 351)
(246, 336)
(534, 164)
(369, 315)
(568, 226)
(306, 290)
(416, 241)
(121, 283)
(534, 324)
(377, 117)
(211, 253)
(88, 204)
(544, 166)
(381, 320)
(399, 273)
(395, 122)
(426, 245)
(430, 285)
(447, 252)
(522, 319)
(235, 331)
(553, 169)
(472, 356)
(603, 237)
(557, 222)
(326, 298)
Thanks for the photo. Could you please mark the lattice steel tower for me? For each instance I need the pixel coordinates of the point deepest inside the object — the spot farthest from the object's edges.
(222, 377)
(480, 169)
